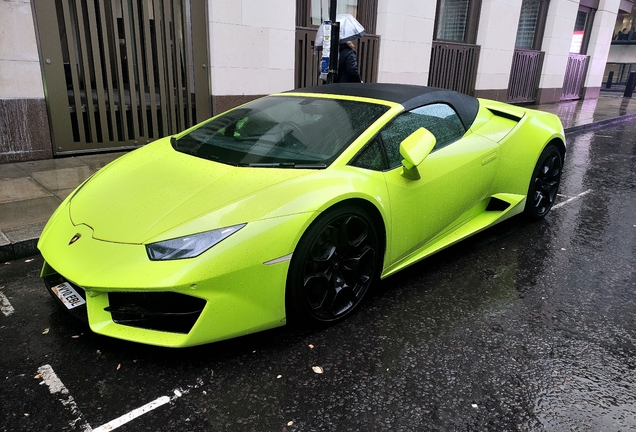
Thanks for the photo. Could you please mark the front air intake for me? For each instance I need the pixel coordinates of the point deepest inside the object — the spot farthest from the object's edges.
(162, 311)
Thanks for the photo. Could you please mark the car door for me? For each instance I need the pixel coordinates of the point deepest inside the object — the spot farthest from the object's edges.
(454, 177)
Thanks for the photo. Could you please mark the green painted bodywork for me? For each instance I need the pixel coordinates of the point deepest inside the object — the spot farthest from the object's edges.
(155, 193)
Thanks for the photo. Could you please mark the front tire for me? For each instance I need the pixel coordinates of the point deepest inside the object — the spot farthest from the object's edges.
(544, 185)
(333, 266)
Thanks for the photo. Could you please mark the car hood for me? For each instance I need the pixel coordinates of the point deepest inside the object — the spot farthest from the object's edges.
(146, 194)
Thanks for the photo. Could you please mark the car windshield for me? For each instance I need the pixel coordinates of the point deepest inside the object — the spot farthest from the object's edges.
(281, 131)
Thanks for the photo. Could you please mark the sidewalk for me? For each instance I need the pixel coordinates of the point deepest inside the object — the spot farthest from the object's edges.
(31, 191)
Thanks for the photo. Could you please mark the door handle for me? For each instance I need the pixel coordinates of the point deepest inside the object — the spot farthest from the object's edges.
(489, 158)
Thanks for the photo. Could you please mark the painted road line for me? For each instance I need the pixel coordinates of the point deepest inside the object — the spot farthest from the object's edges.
(5, 306)
(561, 204)
(54, 384)
(114, 424)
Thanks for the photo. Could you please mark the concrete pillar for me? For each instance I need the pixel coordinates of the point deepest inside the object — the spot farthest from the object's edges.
(556, 45)
(24, 126)
(251, 49)
(496, 35)
(406, 31)
(599, 47)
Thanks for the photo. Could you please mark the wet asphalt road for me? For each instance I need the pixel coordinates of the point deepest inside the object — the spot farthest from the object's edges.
(527, 326)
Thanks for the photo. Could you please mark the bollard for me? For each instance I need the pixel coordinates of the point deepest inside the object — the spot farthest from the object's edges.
(631, 83)
(610, 78)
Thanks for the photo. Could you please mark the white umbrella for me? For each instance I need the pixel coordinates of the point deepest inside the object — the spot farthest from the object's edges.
(350, 29)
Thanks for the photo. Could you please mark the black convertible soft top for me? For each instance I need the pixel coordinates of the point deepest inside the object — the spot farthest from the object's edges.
(409, 96)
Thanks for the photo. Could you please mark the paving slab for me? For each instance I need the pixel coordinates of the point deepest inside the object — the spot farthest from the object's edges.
(21, 188)
(11, 171)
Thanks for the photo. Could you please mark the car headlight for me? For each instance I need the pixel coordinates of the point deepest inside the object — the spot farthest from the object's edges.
(189, 246)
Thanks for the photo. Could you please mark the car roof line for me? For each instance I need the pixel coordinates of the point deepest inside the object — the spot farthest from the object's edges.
(409, 96)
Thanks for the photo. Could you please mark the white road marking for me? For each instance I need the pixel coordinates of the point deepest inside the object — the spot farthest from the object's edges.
(55, 385)
(5, 306)
(50, 378)
(114, 424)
(561, 204)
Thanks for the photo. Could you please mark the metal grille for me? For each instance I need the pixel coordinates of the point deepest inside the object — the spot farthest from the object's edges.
(307, 69)
(303, 14)
(454, 66)
(524, 75)
(121, 73)
(574, 76)
(368, 15)
(368, 50)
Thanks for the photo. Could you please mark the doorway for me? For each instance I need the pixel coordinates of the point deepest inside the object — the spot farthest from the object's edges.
(122, 73)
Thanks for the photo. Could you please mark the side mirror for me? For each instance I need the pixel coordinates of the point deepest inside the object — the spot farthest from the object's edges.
(416, 147)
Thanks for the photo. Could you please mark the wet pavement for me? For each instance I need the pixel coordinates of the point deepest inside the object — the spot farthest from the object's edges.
(31, 191)
(584, 114)
(524, 327)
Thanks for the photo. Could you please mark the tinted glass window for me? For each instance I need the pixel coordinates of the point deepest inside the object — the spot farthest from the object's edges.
(440, 119)
(281, 131)
(452, 19)
(371, 157)
(527, 24)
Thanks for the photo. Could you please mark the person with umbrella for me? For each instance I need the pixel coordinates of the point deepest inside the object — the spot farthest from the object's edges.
(347, 64)
(350, 29)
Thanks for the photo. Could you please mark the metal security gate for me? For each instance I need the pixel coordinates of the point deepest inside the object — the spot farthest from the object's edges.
(307, 66)
(454, 66)
(574, 76)
(121, 73)
(524, 76)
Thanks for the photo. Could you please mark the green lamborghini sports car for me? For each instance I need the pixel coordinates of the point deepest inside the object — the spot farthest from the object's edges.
(290, 207)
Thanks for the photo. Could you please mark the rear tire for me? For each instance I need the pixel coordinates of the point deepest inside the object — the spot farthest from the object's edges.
(544, 184)
(333, 266)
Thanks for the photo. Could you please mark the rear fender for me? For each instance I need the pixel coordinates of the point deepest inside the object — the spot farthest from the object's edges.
(521, 149)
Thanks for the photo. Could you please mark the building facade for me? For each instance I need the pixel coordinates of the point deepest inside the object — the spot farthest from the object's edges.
(79, 77)
(621, 60)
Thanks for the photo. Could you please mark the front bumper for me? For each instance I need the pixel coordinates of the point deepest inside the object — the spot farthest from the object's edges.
(162, 311)
(227, 291)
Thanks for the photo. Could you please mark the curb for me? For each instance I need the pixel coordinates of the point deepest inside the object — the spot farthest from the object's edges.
(599, 124)
(18, 243)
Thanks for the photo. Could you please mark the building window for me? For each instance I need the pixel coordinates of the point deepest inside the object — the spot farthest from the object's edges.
(625, 28)
(579, 32)
(453, 15)
(312, 13)
(531, 24)
(320, 10)
(528, 24)
(457, 20)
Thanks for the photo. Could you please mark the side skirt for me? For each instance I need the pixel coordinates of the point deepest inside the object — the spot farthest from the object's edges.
(487, 213)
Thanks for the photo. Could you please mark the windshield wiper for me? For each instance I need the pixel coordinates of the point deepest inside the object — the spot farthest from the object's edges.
(285, 165)
(272, 165)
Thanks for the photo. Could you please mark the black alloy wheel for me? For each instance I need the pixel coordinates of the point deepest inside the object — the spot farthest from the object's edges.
(333, 266)
(545, 183)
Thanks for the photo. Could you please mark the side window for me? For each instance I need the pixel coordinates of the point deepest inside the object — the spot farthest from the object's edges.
(371, 157)
(440, 119)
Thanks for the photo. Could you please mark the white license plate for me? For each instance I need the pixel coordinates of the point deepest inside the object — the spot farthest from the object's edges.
(68, 295)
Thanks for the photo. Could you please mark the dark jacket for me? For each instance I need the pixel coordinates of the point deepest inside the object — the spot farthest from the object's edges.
(347, 65)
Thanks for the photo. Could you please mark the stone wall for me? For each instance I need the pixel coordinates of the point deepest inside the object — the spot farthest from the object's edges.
(24, 126)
